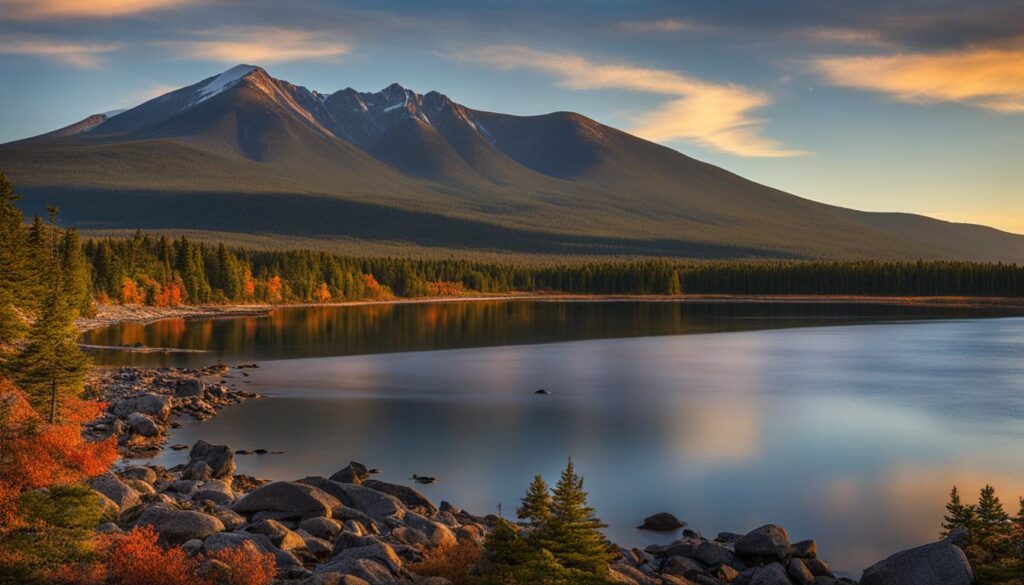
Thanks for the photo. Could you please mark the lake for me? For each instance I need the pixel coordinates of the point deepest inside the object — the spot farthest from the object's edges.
(844, 423)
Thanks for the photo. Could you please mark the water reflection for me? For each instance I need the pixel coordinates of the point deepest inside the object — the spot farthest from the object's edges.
(327, 331)
(851, 435)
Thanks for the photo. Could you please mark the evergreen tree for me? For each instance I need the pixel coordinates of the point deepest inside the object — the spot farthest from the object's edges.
(572, 534)
(957, 515)
(993, 528)
(1018, 529)
(536, 504)
(50, 364)
(77, 277)
(14, 263)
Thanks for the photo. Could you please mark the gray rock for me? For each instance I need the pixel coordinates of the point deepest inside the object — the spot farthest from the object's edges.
(352, 473)
(283, 537)
(224, 540)
(768, 541)
(219, 458)
(108, 528)
(143, 425)
(287, 500)
(773, 574)
(712, 554)
(377, 505)
(154, 405)
(176, 526)
(682, 567)
(190, 387)
(316, 546)
(325, 528)
(193, 547)
(140, 473)
(185, 486)
(378, 552)
(197, 471)
(662, 521)
(370, 572)
(438, 534)
(938, 562)
(215, 490)
(407, 495)
(799, 572)
(805, 549)
(333, 579)
(116, 490)
(232, 520)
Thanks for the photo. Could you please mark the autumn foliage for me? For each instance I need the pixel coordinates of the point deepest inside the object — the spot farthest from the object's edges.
(135, 558)
(442, 288)
(34, 454)
(322, 294)
(454, 563)
(376, 291)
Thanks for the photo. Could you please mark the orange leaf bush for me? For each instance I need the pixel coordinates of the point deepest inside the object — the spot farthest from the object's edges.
(454, 563)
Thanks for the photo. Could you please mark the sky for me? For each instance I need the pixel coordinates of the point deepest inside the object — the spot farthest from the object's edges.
(894, 105)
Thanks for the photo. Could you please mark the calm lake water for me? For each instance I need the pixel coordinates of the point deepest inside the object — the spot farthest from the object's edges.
(843, 423)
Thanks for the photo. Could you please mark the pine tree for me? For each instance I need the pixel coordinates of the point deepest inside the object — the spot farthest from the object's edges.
(572, 534)
(536, 504)
(958, 515)
(77, 277)
(14, 260)
(50, 364)
(993, 527)
(1018, 529)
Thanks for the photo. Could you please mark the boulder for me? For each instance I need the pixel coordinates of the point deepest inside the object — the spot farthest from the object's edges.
(352, 473)
(218, 458)
(333, 579)
(661, 521)
(176, 526)
(215, 490)
(143, 488)
(140, 473)
(189, 387)
(799, 572)
(682, 567)
(153, 405)
(405, 494)
(368, 571)
(378, 552)
(712, 554)
(283, 537)
(377, 505)
(438, 534)
(109, 510)
(938, 562)
(121, 493)
(768, 541)
(325, 528)
(143, 425)
(805, 549)
(223, 540)
(287, 500)
(772, 574)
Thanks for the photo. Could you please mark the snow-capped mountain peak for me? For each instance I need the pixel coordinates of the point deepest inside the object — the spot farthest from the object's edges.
(224, 81)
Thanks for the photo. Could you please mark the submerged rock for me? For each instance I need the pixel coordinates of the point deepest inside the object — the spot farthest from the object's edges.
(661, 521)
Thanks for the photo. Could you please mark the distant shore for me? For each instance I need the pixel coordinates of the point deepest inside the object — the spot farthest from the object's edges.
(107, 315)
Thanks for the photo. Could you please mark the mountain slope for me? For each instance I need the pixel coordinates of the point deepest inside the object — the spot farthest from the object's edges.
(245, 153)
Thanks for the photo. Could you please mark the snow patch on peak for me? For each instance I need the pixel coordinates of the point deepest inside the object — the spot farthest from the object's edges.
(113, 113)
(224, 81)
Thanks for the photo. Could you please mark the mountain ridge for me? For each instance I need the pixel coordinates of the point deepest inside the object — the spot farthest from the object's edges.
(243, 140)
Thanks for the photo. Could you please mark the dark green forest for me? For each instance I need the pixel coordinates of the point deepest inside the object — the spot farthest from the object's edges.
(159, 270)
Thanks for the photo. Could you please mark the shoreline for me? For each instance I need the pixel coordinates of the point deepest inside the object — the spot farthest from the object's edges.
(108, 315)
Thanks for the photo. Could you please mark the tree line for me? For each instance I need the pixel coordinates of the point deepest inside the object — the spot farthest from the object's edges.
(993, 540)
(158, 270)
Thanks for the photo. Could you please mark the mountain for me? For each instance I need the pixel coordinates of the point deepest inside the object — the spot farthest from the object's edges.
(254, 158)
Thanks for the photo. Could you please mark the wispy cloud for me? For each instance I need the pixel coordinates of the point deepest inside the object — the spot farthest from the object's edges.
(845, 36)
(663, 25)
(714, 115)
(81, 55)
(43, 9)
(984, 77)
(259, 45)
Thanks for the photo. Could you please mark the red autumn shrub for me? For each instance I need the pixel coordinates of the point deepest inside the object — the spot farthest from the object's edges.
(454, 563)
(135, 558)
(249, 566)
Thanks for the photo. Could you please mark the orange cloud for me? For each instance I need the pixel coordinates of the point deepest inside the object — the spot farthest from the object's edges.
(714, 115)
(984, 77)
(663, 25)
(41, 9)
(260, 45)
(84, 56)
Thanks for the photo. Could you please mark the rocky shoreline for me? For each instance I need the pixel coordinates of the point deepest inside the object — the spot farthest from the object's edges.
(350, 529)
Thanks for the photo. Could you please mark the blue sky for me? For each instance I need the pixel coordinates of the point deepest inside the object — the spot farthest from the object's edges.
(901, 105)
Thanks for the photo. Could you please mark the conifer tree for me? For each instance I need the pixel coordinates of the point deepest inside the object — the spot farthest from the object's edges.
(14, 263)
(76, 272)
(993, 527)
(958, 515)
(535, 506)
(50, 364)
(1018, 529)
(572, 534)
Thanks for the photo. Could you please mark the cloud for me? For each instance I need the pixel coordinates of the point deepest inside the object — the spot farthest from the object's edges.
(43, 9)
(662, 26)
(259, 45)
(714, 115)
(81, 55)
(984, 77)
(845, 36)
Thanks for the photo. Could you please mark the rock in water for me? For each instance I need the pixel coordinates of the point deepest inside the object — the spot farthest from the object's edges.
(768, 541)
(353, 473)
(930, 564)
(542, 391)
(218, 458)
(407, 495)
(661, 521)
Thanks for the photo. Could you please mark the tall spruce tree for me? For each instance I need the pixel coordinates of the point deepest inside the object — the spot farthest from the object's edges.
(1018, 529)
(50, 365)
(993, 528)
(958, 515)
(535, 507)
(14, 262)
(77, 279)
(573, 532)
